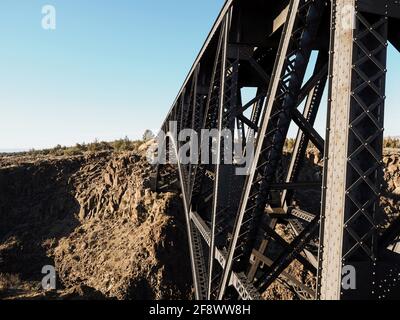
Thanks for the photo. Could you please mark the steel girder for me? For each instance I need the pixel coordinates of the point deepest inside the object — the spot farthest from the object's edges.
(232, 221)
(353, 169)
(290, 67)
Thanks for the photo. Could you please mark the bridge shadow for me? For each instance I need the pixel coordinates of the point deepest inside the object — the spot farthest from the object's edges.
(37, 208)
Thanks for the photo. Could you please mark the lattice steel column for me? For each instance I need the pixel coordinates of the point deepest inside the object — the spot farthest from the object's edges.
(354, 151)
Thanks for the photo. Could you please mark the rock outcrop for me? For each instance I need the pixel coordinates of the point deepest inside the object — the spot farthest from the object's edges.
(95, 219)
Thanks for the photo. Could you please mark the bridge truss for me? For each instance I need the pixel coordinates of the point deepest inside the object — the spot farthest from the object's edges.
(289, 53)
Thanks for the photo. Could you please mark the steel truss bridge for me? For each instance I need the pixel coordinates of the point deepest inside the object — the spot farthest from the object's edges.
(288, 52)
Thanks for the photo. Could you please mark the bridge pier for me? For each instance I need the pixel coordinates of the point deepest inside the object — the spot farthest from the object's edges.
(353, 158)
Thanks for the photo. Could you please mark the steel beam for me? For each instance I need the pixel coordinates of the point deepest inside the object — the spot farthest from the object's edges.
(221, 114)
(234, 219)
(314, 89)
(353, 150)
(389, 8)
(199, 271)
(245, 289)
(279, 69)
(290, 67)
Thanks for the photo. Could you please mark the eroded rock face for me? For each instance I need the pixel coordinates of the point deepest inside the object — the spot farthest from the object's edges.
(390, 200)
(108, 235)
(95, 219)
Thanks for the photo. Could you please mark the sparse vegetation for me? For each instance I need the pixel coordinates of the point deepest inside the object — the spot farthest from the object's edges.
(392, 143)
(388, 143)
(289, 144)
(125, 144)
(119, 145)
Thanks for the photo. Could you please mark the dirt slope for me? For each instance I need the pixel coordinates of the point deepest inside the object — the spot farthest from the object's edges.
(95, 219)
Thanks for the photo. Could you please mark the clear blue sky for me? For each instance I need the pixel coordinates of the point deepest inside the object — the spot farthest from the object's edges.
(110, 69)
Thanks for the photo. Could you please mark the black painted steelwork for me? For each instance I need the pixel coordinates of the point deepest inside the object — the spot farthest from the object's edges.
(283, 52)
